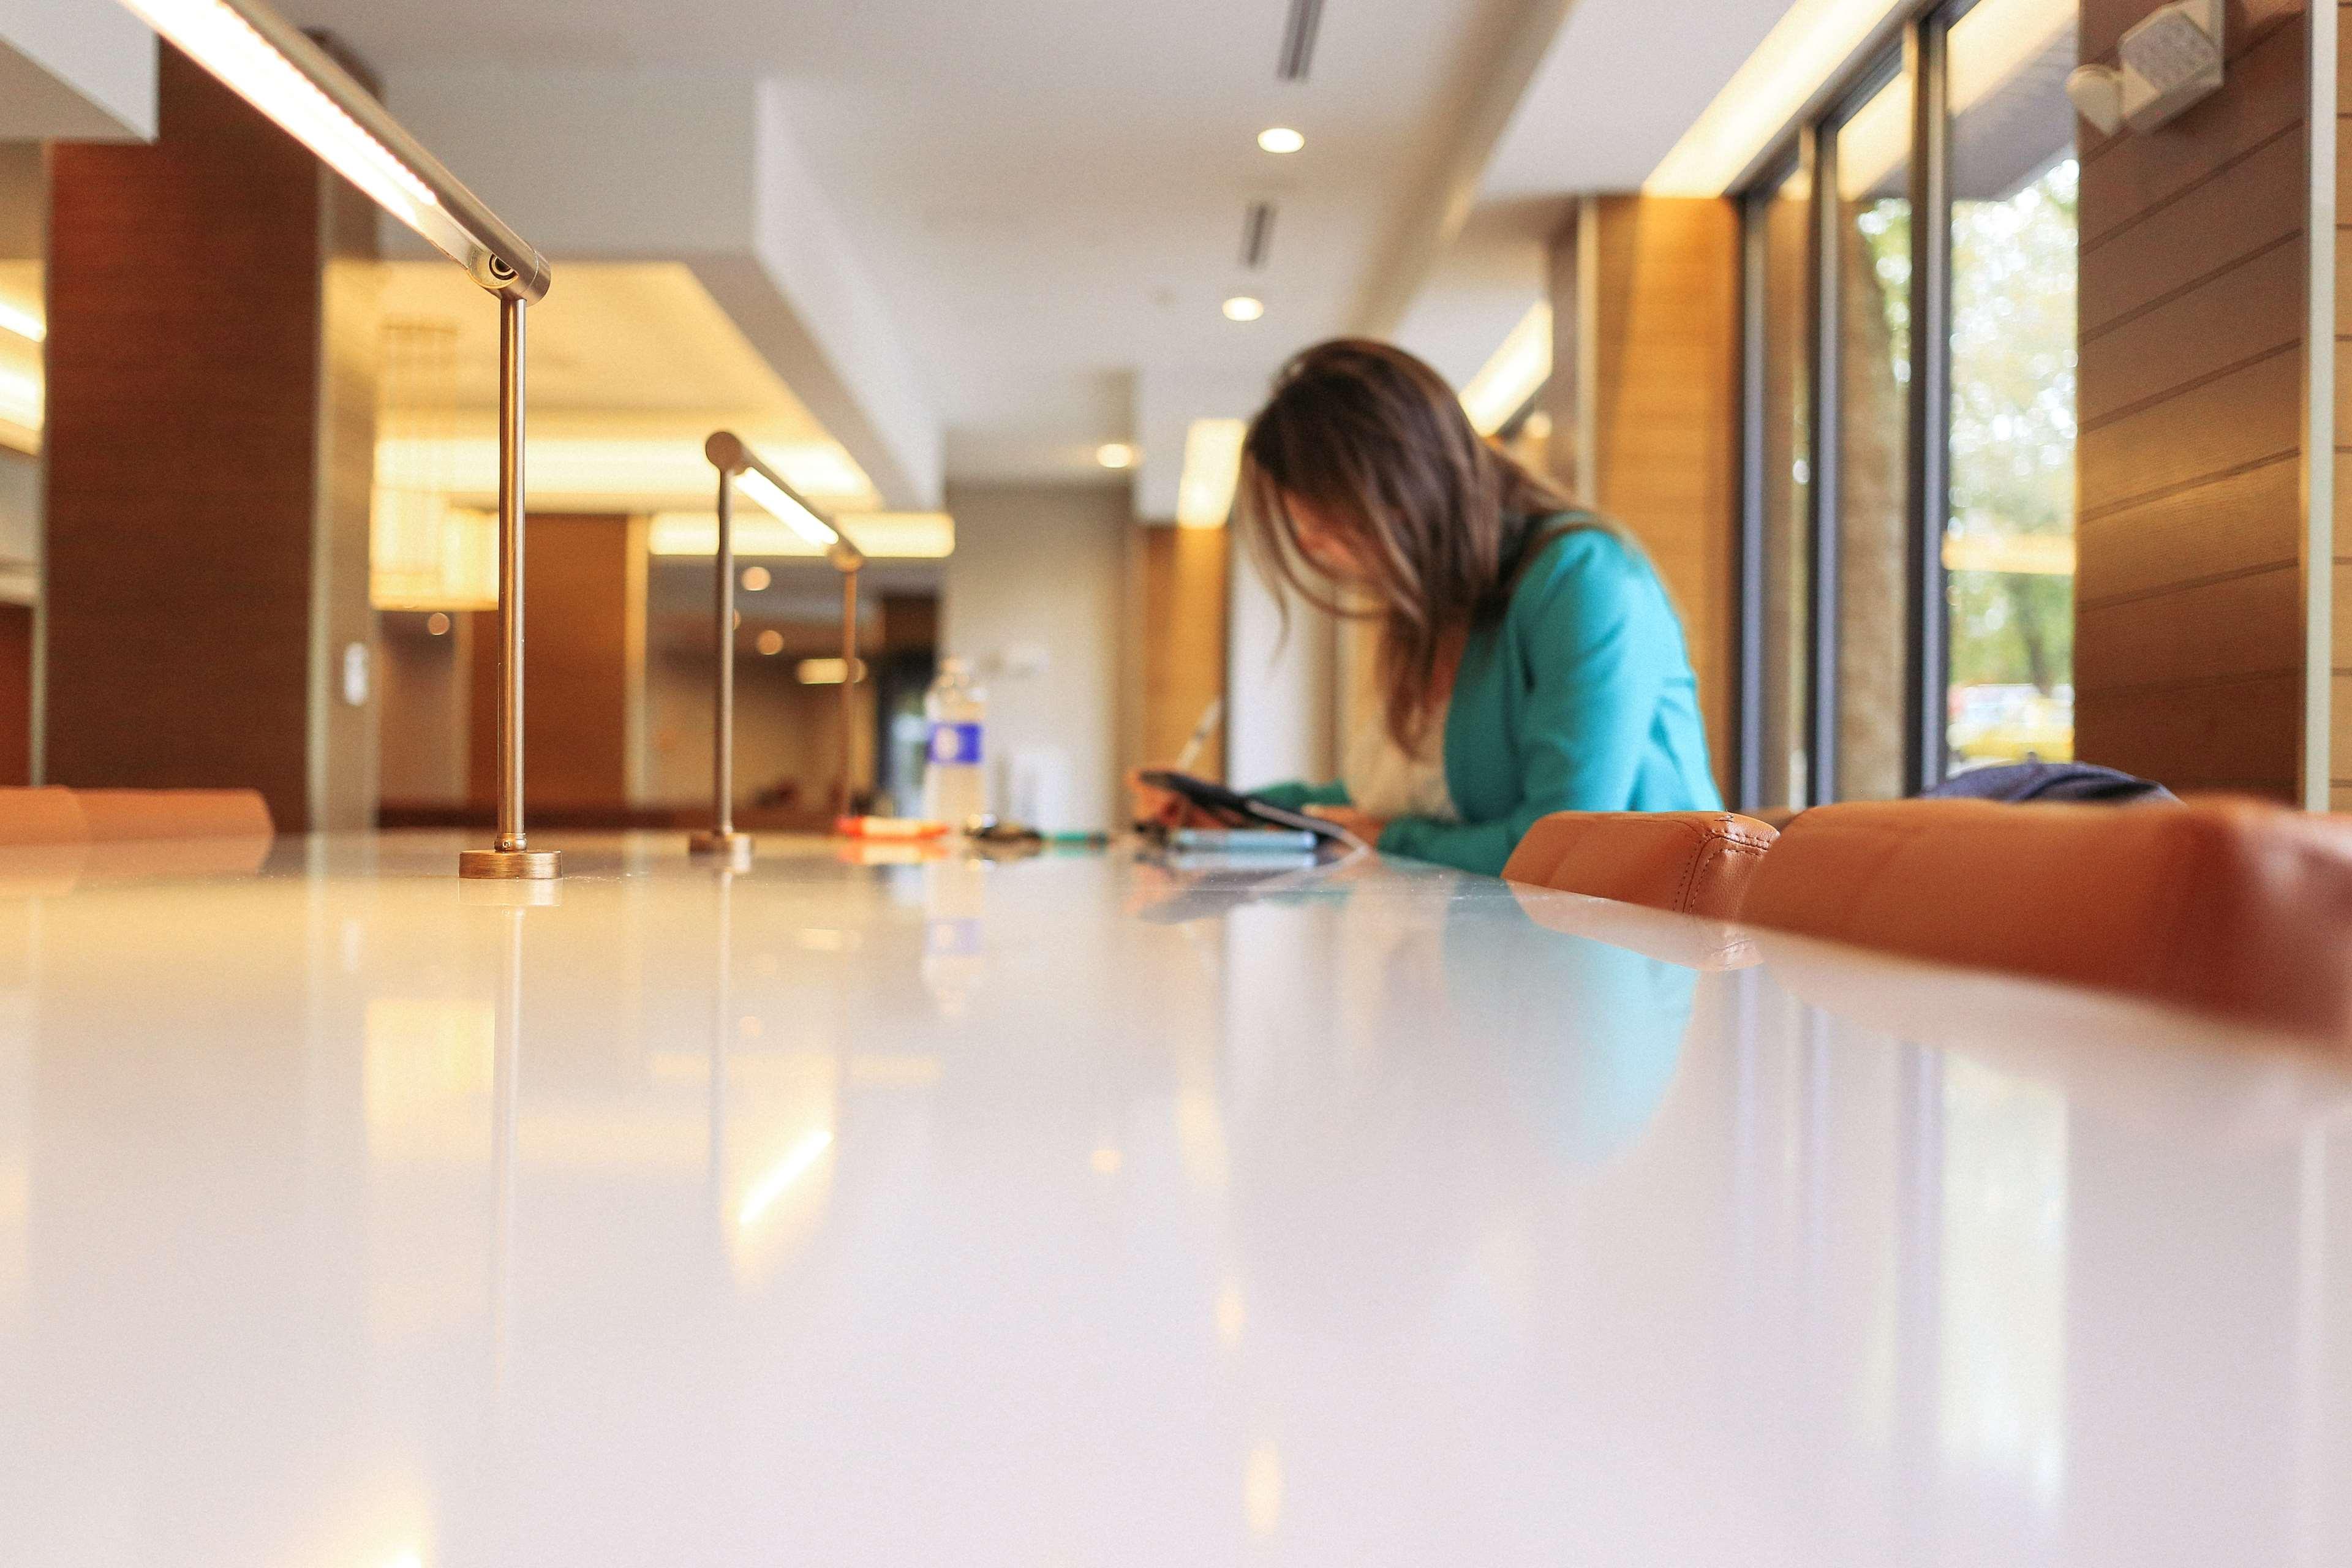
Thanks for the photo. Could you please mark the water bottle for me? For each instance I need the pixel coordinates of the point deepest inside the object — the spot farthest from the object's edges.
(955, 787)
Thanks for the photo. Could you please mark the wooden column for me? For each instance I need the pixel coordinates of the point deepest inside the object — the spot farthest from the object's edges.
(1647, 414)
(2189, 649)
(1183, 626)
(584, 658)
(210, 451)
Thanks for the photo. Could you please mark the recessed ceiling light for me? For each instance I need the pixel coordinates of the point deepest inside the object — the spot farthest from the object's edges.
(756, 579)
(1115, 455)
(437, 625)
(771, 643)
(1243, 308)
(1280, 138)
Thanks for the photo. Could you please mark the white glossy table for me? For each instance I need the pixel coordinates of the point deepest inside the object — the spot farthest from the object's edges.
(1054, 1213)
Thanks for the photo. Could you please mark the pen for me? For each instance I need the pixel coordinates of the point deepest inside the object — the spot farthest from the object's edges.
(1201, 733)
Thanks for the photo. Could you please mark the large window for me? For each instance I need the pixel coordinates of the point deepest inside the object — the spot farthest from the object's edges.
(1779, 240)
(1912, 535)
(1871, 274)
(2009, 548)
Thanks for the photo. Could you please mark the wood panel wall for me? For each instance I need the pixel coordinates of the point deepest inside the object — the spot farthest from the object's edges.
(425, 703)
(2188, 651)
(16, 694)
(1665, 415)
(209, 452)
(1181, 628)
(583, 666)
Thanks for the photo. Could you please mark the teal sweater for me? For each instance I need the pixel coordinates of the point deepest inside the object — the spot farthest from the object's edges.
(1580, 699)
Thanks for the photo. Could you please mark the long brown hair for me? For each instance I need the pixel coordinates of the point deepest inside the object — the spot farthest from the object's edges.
(1440, 520)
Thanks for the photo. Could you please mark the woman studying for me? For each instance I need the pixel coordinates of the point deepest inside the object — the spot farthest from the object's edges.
(1530, 660)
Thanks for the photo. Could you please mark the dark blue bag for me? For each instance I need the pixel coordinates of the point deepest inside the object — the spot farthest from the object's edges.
(2076, 782)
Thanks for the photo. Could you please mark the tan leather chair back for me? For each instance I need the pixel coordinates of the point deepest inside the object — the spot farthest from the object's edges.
(2229, 907)
(1688, 862)
(123, 815)
(41, 816)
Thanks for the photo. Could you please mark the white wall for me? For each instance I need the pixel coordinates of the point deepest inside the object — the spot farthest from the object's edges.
(1034, 596)
(1282, 692)
(424, 696)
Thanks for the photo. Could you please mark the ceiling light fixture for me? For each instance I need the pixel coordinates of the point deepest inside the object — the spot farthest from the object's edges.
(1115, 455)
(1808, 45)
(1243, 308)
(787, 509)
(1298, 30)
(1280, 138)
(1515, 374)
(884, 535)
(269, 63)
(756, 579)
(272, 65)
(621, 474)
(1213, 460)
(1257, 235)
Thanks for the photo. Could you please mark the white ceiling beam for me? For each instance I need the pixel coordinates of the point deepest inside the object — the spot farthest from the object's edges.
(1167, 400)
(697, 168)
(1439, 203)
(847, 362)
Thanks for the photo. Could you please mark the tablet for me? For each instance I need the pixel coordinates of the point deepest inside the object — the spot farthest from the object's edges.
(1240, 810)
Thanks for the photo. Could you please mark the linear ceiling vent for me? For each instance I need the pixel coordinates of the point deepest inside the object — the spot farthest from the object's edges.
(1257, 235)
(1299, 40)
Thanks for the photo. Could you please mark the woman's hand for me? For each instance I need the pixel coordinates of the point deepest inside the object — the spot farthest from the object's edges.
(1362, 823)
(1164, 807)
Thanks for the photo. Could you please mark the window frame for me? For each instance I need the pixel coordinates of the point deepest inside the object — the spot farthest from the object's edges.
(1914, 42)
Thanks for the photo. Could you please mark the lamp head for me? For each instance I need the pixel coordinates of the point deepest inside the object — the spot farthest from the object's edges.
(727, 452)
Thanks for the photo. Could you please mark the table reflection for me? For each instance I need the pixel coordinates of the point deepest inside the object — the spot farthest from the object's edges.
(341, 1220)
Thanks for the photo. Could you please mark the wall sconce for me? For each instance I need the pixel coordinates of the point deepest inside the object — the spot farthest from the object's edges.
(2170, 61)
(740, 467)
(266, 61)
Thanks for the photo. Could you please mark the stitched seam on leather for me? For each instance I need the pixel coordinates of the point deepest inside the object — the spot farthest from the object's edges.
(1734, 847)
(1691, 866)
(1690, 875)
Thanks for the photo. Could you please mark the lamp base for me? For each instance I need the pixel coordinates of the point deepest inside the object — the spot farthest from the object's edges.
(729, 848)
(511, 865)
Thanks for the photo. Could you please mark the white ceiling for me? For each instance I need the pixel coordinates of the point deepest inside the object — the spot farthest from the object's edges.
(1049, 193)
(1622, 81)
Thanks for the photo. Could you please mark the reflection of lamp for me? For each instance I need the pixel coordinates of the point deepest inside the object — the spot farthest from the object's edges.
(425, 554)
(269, 64)
(739, 466)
